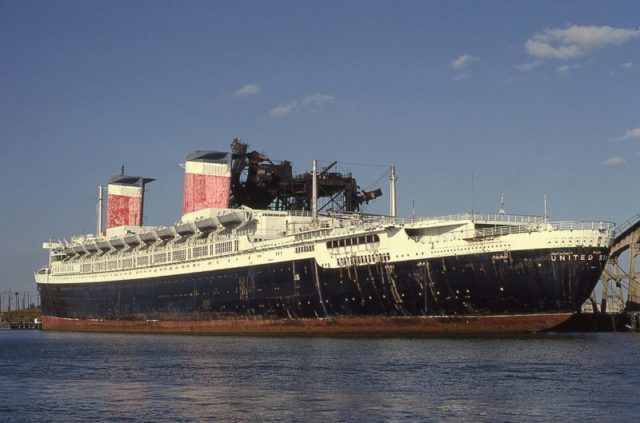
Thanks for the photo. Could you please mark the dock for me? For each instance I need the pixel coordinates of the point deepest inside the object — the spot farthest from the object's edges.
(27, 318)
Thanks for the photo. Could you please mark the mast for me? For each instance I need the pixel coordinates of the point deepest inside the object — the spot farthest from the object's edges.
(314, 191)
(502, 210)
(99, 210)
(392, 191)
(473, 199)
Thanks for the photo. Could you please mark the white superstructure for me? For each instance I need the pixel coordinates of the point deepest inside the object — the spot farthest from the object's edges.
(214, 239)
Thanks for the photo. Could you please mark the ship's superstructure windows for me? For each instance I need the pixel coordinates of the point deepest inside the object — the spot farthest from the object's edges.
(363, 260)
(179, 255)
(367, 240)
(199, 251)
(305, 248)
(312, 234)
(160, 257)
(224, 247)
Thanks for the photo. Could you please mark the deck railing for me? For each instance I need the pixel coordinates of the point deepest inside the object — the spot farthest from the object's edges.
(607, 229)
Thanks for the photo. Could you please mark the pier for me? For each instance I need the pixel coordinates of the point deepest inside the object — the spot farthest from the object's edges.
(23, 319)
(20, 310)
(28, 324)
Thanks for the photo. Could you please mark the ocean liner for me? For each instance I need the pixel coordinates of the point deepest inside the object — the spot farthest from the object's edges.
(254, 254)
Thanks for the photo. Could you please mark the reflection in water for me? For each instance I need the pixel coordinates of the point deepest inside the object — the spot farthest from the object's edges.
(61, 376)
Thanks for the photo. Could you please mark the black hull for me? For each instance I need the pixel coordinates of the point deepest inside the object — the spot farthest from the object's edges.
(511, 283)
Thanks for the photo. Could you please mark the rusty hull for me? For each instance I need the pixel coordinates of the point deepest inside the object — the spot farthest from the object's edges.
(427, 325)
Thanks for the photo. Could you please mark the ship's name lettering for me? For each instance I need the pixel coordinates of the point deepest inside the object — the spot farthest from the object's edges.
(576, 257)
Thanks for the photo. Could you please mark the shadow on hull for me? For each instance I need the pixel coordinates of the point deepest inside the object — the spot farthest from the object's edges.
(594, 322)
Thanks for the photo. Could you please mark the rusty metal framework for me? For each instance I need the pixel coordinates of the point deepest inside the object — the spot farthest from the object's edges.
(259, 183)
(620, 274)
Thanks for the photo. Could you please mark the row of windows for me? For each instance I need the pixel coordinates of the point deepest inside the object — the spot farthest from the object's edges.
(348, 242)
(199, 251)
(226, 246)
(305, 248)
(145, 260)
(311, 234)
(179, 255)
(66, 268)
(366, 259)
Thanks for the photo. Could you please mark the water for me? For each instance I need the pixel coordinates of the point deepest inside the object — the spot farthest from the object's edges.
(56, 376)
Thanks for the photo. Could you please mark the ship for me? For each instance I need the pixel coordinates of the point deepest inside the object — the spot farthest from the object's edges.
(254, 254)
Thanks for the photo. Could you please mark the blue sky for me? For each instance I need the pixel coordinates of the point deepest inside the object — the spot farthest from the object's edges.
(529, 97)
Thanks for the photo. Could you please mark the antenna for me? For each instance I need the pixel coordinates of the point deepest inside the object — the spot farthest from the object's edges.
(473, 199)
(502, 210)
(314, 191)
(546, 215)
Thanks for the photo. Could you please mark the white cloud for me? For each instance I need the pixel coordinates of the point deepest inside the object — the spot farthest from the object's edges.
(575, 41)
(462, 62)
(247, 91)
(631, 133)
(316, 99)
(615, 161)
(565, 69)
(460, 66)
(627, 65)
(313, 100)
(281, 111)
(526, 67)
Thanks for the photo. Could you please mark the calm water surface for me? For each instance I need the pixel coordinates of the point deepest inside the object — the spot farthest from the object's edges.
(55, 376)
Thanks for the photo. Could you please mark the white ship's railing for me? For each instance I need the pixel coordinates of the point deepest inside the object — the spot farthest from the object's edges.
(478, 218)
(606, 228)
(351, 220)
(503, 223)
(572, 225)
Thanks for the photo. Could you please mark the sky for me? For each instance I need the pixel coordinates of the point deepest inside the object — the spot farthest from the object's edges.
(522, 97)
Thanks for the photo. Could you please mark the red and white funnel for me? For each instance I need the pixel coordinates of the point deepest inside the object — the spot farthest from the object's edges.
(125, 200)
(207, 181)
